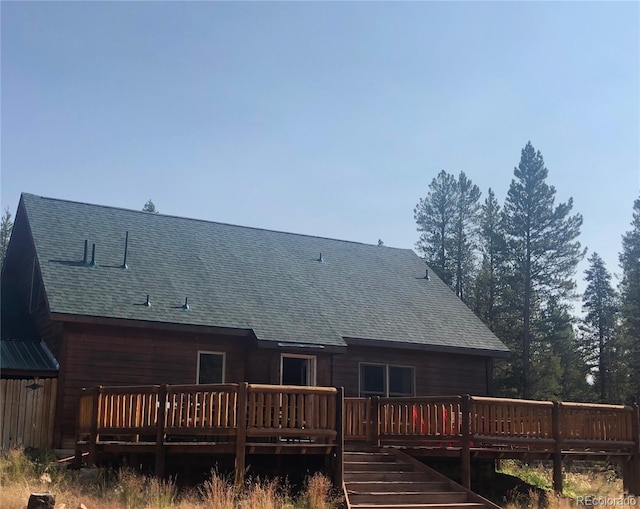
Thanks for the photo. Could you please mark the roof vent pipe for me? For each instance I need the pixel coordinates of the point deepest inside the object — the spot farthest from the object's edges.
(93, 256)
(426, 275)
(86, 251)
(148, 303)
(126, 245)
(186, 304)
(321, 259)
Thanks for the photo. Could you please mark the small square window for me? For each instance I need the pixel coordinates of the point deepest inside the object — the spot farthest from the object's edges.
(372, 380)
(210, 368)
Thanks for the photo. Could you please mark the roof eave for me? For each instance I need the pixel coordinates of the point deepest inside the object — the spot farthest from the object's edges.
(405, 345)
(145, 324)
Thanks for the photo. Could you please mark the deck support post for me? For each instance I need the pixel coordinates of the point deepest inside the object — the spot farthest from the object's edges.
(241, 435)
(93, 435)
(160, 423)
(634, 467)
(78, 450)
(375, 421)
(465, 450)
(338, 467)
(556, 415)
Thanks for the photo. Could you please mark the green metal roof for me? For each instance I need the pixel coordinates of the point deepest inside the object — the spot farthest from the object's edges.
(270, 282)
(25, 355)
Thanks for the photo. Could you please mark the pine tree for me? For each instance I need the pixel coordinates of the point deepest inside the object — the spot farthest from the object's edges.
(487, 280)
(541, 241)
(5, 234)
(465, 233)
(630, 297)
(435, 216)
(448, 219)
(150, 207)
(599, 323)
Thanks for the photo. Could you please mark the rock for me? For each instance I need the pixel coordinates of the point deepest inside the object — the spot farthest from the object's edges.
(82, 506)
(41, 501)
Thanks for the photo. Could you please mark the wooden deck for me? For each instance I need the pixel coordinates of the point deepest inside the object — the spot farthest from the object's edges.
(243, 419)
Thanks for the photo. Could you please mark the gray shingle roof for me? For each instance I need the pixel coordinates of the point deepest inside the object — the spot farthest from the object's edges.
(267, 281)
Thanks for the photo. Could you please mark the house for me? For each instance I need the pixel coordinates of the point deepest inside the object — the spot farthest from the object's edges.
(123, 297)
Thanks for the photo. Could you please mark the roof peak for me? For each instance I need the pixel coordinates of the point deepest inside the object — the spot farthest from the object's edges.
(209, 221)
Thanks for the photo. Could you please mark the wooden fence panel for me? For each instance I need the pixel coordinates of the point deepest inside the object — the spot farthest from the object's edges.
(27, 412)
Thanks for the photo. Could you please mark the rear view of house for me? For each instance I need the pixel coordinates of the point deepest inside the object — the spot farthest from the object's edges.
(123, 297)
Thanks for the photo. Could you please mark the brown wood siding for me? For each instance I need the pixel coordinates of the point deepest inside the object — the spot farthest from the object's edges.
(436, 374)
(109, 355)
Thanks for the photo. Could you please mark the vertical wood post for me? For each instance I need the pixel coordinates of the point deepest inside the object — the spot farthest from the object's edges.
(338, 467)
(78, 450)
(241, 433)
(160, 430)
(93, 435)
(556, 415)
(634, 484)
(465, 451)
(375, 421)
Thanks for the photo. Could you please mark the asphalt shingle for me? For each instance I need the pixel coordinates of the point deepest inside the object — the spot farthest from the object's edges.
(238, 277)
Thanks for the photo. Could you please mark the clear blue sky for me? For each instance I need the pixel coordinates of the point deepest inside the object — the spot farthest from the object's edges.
(326, 118)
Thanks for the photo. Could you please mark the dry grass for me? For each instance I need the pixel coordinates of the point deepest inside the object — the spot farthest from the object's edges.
(126, 489)
(599, 481)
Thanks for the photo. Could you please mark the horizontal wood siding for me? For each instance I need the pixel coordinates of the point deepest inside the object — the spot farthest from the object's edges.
(108, 355)
(100, 355)
(436, 374)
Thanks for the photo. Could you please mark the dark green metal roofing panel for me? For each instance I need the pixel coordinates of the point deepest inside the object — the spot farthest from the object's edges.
(270, 282)
(25, 355)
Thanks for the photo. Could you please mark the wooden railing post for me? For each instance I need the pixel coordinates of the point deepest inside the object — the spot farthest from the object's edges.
(241, 434)
(465, 451)
(556, 416)
(160, 428)
(375, 421)
(338, 467)
(93, 436)
(634, 484)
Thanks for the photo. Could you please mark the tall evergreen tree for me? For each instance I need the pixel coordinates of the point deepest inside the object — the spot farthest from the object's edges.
(5, 234)
(465, 233)
(435, 216)
(491, 244)
(630, 296)
(447, 219)
(599, 323)
(541, 240)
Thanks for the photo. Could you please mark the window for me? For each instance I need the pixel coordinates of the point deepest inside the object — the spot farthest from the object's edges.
(210, 368)
(385, 380)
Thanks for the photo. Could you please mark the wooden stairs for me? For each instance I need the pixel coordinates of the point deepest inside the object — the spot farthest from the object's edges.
(391, 479)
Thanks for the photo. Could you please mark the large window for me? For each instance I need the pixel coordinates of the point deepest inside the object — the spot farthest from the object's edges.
(210, 368)
(385, 380)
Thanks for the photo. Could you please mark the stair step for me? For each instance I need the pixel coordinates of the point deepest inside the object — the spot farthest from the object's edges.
(377, 486)
(377, 466)
(464, 505)
(436, 497)
(370, 456)
(376, 476)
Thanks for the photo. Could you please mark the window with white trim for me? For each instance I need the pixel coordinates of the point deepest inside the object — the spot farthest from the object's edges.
(210, 368)
(386, 380)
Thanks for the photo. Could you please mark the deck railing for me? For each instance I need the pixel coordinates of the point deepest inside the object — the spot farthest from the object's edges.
(238, 414)
(466, 425)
